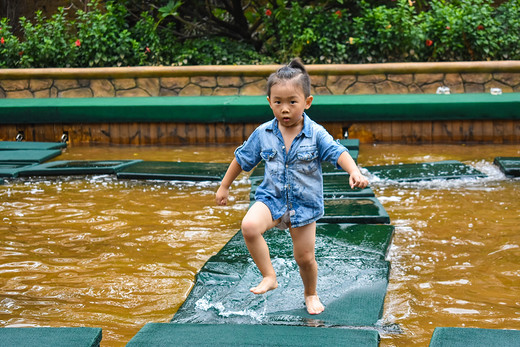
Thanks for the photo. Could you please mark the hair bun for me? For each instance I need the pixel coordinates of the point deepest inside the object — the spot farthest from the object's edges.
(297, 63)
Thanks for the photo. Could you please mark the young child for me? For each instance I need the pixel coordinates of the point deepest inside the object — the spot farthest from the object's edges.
(291, 194)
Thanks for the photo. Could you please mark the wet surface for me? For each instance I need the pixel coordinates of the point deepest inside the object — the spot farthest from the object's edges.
(116, 254)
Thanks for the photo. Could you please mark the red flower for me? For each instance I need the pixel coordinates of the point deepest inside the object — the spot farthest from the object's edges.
(429, 43)
(448, 27)
(2, 41)
(338, 13)
(268, 12)
(147, 50)
(78, 43)
(480, 27)
(20, 53)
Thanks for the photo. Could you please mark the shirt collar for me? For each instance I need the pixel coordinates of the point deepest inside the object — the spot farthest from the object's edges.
(306, 131)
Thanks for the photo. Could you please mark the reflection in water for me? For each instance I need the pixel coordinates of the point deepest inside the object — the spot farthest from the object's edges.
(117, 254)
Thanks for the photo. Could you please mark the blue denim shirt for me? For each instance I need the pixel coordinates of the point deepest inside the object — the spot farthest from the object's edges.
(292, 180)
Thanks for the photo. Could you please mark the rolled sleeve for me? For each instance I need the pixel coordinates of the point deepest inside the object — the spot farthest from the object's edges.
(247, 155)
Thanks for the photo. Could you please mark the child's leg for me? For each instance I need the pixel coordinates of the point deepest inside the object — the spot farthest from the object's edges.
(304, 239)
(255, 223)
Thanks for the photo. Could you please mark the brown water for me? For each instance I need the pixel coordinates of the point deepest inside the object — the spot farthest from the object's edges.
(117, 254)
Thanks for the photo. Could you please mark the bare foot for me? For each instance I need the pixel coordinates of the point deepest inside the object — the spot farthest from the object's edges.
(314, 305)
(267, 284)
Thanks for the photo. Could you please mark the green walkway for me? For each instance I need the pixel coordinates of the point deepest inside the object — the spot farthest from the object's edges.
(473, 337)
(234, 109)
(510, 166)
(55, 337)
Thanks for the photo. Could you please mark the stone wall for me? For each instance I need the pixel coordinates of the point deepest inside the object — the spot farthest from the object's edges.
(251, 80)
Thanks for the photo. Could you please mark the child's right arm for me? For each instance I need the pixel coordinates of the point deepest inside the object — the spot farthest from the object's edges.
(223, 191)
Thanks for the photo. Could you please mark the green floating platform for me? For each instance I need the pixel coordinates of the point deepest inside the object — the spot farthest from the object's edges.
(510, 166)
(363, 210)
(55, 337)
(326, 167)
(353, 277)
(165, 334)
(474, 337)
(77, 167)
(334, 186)
(449, 169)
(30, 155)
(351, 144)
(162, 170)
(13, 168)
(22, 145)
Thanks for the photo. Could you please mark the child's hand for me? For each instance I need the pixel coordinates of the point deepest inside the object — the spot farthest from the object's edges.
(222, 196)
(357, 180)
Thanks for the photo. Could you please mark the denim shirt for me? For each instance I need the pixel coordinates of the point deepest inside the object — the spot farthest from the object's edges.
(292, 180)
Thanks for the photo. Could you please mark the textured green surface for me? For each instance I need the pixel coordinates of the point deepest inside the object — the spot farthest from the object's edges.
(164, 334)
(353, 276)
(22, 145)
(508, 165)
(473, 337)
(55, 337)
(354, 210)
(174, 171)
(76, 167)
(351, 144)
(255, 109)
(449, 169)
(12, 168)
(334, 186)
(38, 156)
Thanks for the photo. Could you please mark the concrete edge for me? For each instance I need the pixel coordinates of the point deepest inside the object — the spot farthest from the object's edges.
(260, 70)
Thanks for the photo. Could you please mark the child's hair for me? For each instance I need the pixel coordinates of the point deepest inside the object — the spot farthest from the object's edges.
(294, 70)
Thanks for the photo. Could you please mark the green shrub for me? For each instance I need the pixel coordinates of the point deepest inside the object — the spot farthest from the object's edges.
(180, 33)
(47, 41)
(103, 37)
(9, 46)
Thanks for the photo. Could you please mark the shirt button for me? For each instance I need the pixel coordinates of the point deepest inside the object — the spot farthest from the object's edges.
(286, 166)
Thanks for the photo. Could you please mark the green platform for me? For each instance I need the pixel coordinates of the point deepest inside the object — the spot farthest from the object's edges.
(38, 156)
(161, 170)
(13, 168)
(449, 169)
(77, 167)
(352, 281)
(22, 145)
(326, 167)
(55, 337)
(233, 109)
(351, 144)
(473, 337)
(510, 166)
(334, 186)
(365, 210)
(164, 334)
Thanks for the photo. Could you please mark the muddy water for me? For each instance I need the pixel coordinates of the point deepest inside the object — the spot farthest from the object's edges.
(117, 254)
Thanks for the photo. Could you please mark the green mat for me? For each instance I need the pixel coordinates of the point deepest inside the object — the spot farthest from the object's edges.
(12, 168)
(510, 166)
(77, 167)
(334, 186)
(55, 337)
(353, 277)
(449, 169)
(473, 337)
(165, 334)
(22, 145)
(162, 170)
(351, 144)
(326, 168)
(354, 210)
(38, 156)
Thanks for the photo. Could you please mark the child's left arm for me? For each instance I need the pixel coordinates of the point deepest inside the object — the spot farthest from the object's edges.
(356, 180)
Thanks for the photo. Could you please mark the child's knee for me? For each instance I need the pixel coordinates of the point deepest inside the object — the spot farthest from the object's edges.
(306, 260)
(250, 228)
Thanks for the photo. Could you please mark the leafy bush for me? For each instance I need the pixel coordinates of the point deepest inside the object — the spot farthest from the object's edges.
(200, 32)
(9, 46)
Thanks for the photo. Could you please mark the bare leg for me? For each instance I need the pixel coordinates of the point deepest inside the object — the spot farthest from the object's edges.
(304, 239)
(255, 223)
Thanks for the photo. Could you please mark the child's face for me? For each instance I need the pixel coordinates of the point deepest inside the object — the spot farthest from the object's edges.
(288, 103)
